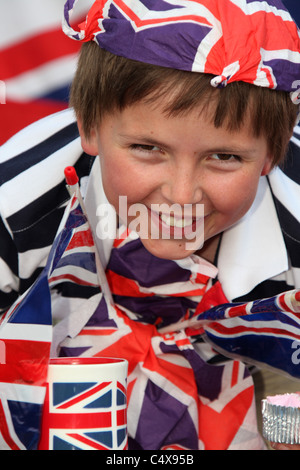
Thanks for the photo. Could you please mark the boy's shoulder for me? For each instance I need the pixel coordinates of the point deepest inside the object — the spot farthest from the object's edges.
(35, 133)
(285, 186)
(296, 137)
(295, 140)
(36, 153)
(291, 166)
(33, 195)
(32, 168)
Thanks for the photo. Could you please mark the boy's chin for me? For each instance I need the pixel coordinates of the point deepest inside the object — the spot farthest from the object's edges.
(170, 249)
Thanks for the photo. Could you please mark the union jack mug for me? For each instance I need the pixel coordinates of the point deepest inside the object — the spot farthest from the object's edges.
(85, 405)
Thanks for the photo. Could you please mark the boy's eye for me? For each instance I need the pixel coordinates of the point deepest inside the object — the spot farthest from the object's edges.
(225, 157)
(145, 148)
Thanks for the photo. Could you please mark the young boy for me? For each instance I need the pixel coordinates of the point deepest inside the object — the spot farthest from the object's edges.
(184, 113)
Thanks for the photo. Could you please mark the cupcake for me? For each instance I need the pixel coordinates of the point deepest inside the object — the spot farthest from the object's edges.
(281, 418)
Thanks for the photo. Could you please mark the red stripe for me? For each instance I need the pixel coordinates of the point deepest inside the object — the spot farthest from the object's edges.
(79, 420)
(183, 342)
(269, 77)
(121, 285)
(97, 331)
(201, 279)
(35, 51)
(15, 116)
(5, 430)
(235, 373)
(194, 331)
(121, 417)
(121, 387)
(239, 310)
(81, 238)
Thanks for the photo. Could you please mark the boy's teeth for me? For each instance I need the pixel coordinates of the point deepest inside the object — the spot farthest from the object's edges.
(172, 222)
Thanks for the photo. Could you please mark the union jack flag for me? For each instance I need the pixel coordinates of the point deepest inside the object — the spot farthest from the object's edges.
(93, 428)
(26, 332)
(265, 331)
(234, 40)
(37, 62)
(25, 338)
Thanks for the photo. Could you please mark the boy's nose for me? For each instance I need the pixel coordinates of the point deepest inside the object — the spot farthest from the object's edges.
(183, 186)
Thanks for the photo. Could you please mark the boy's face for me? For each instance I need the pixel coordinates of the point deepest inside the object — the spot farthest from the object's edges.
(158, 161)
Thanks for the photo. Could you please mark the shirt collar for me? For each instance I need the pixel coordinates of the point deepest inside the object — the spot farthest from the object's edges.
(98, 208)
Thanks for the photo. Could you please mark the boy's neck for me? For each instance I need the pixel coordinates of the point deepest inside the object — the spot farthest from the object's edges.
(209, 249)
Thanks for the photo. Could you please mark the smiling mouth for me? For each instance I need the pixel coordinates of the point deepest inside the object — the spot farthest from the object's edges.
(179, 225)
(179, 222)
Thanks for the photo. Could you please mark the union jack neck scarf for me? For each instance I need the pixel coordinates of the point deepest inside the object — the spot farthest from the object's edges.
(234, 40)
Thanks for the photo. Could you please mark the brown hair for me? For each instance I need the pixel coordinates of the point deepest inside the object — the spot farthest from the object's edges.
(105, 83)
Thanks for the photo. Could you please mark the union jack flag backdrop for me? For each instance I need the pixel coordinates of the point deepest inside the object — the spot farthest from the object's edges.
(178, 396)
(37, 61)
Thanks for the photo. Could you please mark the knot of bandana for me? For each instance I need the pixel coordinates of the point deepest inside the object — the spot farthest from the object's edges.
(235, 40)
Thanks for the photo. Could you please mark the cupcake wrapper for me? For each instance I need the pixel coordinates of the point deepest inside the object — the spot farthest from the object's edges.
(281, 423)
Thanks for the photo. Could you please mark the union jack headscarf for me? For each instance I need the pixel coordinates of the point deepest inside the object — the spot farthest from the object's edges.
(253, 41)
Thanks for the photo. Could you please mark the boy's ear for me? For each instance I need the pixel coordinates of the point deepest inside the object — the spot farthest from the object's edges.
(268, 166)
(89, 144)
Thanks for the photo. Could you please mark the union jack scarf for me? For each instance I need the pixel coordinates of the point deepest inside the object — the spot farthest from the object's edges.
(179, 396)
(234, 40)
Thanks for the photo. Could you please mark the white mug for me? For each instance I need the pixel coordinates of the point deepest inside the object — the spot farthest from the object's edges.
(85, 405)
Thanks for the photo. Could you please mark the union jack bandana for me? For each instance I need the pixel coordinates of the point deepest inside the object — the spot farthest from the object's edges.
(234, 40)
